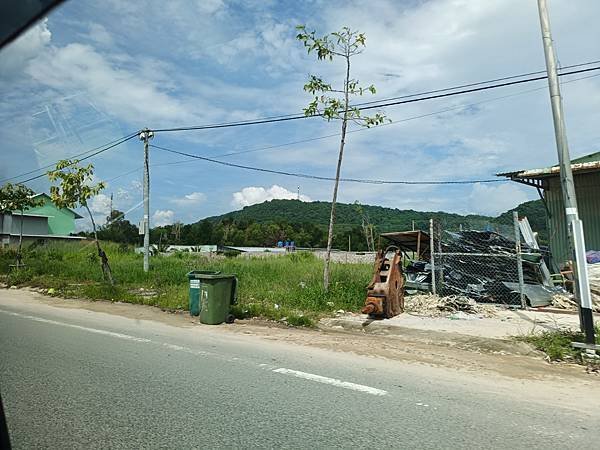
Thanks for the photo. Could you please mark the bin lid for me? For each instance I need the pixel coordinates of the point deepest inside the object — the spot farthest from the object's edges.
(208, 275)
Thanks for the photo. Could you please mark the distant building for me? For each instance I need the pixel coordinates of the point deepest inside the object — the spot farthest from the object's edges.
(42, 222)
(586, 175)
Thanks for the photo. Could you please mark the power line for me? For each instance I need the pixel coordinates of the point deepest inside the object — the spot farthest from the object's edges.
(406, 119)
(321, 178)
(476, 89)
(475, 84)
(96, 150)
(405, 100)
(327, 136)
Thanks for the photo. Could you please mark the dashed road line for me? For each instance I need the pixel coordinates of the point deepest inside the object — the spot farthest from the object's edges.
(79, 327)
(179, 348)
(331, 381)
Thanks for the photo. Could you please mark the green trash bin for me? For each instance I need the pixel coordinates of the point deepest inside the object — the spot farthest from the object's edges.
(195, 282)
(217, 292)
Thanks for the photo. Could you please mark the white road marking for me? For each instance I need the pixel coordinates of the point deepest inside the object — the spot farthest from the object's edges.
(178, 348)
(79, 327)
(296, 373)
(331, 381)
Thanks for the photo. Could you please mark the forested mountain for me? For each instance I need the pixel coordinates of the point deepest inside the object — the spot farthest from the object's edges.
(535, 213)
(306, 223)
(348, 215)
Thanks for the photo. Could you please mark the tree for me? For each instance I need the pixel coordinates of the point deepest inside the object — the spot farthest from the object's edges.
(117, 229)
(75, 188)
(343, 44)
(367, 226)
(17, 197)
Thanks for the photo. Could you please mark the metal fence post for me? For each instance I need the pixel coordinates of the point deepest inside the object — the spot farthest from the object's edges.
(431, 258)
(519, 259)
(440, 285)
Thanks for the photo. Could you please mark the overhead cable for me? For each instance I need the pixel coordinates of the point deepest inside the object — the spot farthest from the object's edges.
(321, 178)
(327, 136)
(413, 98)
(79, 157)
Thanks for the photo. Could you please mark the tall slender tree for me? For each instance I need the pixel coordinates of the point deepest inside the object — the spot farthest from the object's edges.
(333, 103)
(17, 197)
(75, 189)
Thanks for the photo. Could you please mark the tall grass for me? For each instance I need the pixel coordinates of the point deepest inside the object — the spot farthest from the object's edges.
(275, 287)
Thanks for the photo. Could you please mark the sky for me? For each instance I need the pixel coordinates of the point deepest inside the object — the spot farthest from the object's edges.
(92, 72)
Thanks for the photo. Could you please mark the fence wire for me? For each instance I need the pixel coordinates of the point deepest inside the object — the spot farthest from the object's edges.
(483, 265)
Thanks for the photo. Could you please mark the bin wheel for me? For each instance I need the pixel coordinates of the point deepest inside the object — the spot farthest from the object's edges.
(230, 318)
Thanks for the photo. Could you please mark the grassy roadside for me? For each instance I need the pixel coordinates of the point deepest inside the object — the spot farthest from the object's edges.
(279, 288)
(557, 344)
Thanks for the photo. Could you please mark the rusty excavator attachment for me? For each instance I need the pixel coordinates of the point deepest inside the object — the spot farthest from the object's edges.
(385, 293)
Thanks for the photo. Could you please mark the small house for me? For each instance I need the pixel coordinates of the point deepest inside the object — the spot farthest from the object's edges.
(44, 222)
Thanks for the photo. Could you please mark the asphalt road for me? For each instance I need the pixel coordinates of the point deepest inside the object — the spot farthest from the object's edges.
(81, 379)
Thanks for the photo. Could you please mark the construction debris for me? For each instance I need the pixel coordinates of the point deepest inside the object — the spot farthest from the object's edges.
(564, 301)
(434, 305)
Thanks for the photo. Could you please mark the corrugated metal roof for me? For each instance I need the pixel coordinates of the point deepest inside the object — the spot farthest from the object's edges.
(587, 163)
(412, 241)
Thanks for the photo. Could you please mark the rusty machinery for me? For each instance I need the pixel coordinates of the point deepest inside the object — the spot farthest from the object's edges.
(385, 293)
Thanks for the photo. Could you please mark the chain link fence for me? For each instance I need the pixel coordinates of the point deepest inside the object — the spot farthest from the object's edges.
(483, 265)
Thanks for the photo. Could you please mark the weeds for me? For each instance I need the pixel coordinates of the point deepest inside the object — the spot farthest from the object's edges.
(280, 287)
(557, 344)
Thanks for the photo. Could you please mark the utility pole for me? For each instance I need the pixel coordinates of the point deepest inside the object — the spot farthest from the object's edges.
(574, 224)
(145, 136)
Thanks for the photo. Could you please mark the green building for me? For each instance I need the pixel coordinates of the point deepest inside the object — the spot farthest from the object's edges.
(46, 221)
(586, 175)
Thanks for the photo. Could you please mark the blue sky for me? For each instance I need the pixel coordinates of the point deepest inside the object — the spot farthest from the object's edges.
(95, 71)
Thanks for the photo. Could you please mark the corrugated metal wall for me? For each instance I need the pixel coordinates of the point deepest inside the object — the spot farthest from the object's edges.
(31, 225)
(587, 189)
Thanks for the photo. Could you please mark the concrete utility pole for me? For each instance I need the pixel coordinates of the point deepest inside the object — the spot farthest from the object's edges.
(145, 136)
(574, 224)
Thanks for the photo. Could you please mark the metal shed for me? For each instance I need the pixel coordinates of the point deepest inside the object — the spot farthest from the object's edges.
(586, 174)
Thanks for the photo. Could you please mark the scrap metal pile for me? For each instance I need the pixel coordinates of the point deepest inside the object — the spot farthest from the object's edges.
(481, 265)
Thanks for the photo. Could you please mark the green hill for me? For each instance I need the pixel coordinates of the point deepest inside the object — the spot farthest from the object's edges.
(349, 216)
(306, 223)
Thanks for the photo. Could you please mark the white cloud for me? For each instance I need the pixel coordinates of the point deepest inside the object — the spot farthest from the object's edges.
(113, 86)
(123, 194)
(252, 195)
(100, 205)
(15, 57)
(99, 34)
(190, 200)
(493, 200)
(162, 217)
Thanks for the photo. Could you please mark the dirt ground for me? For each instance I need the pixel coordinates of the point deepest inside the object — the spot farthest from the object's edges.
(470, 354)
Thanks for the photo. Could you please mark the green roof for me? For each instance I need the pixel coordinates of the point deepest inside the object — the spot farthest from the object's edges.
(592, 157)
(75, 214)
